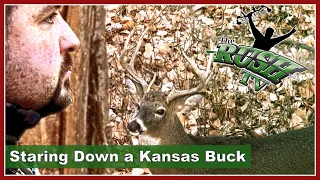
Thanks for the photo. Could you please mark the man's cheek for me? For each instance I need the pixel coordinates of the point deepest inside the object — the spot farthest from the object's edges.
(47, 64)
(48, 58)
(31, 77)
(29, 90)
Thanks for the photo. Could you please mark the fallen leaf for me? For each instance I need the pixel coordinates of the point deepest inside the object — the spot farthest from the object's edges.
(244, 107)
(259, 132)
(231, 103)
(266, 104)
(207, 21)
(216, 124)
(295, 120)
(212, 115)
(128, 24)
(148, 53)
(164, 48)
(162, 33)
(273, 97)
(198, 7)
(137, 171)
(301, 113)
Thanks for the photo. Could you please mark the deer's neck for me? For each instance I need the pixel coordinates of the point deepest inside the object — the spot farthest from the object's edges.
(146, 139)
(173, 133)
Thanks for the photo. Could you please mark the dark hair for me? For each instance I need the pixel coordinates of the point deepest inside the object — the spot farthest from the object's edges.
(8, 13)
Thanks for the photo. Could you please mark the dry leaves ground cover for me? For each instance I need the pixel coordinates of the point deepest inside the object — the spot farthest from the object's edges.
(229, 108)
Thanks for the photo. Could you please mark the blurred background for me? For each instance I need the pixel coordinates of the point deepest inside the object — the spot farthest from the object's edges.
(102, 103)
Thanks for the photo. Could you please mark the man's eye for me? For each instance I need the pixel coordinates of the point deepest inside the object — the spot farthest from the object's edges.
(51, 18)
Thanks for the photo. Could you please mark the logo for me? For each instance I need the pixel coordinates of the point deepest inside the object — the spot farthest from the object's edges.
(257, 63)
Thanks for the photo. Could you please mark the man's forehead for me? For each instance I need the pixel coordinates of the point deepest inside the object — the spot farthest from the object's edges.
(37, 9)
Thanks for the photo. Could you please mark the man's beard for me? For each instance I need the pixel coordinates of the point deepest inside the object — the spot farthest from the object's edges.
(62, 96)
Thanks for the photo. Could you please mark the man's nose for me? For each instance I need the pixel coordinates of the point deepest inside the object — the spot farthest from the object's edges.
(68, 40)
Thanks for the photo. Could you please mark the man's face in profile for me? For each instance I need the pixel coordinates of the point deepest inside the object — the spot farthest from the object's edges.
(38, 65)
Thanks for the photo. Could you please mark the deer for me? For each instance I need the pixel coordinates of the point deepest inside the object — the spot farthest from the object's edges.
(156, 123)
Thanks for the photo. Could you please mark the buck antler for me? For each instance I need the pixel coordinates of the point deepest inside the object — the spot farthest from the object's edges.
(204, 78)
(143, 86)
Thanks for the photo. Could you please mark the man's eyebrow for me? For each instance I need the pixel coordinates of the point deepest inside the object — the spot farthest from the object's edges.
(39, 16)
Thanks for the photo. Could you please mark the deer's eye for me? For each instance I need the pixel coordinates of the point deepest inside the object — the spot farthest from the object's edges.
(160, 111)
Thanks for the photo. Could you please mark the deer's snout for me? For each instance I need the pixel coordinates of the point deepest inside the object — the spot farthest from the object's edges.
(133, 126)
(136, 127)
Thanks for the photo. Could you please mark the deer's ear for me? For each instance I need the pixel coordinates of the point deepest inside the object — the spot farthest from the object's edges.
(167, 88)
(191, 102)
(187, 103)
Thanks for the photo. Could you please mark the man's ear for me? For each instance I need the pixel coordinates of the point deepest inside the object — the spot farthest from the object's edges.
(187, 103)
